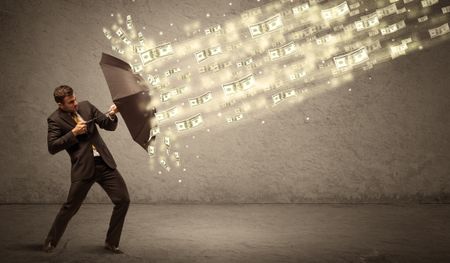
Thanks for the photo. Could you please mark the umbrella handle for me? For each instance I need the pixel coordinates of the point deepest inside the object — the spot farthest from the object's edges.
(93, 119)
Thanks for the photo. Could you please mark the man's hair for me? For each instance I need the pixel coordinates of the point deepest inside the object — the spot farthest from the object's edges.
(61, 92)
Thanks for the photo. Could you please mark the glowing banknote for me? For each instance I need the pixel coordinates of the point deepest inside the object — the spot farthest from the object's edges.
(439, 31)
(164, 165)
(281, 96)
(235, 118)
(351, 59)
(167, 114)
(393, 28)
(172, 71)
(201, 99)
(422, 19)
(215, 67)
(129, 23)
(269, 25)
(336, 11)
(446, 9)
(427, 3)
(325, 39)
(242, 84)
(214, 29)
(121, 34)
(367, 21)
(137, 68)
(107, 33)
(190, 123)
(177, 158)
(283, 51)
(244, 63)
(141, 39)
(168, 95)
(297, 75)
(400, 49)
(160, 51)
(206, 53)
(298, 10)
(154, 131)
(386, 11)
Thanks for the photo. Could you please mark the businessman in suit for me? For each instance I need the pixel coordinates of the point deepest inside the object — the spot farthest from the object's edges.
(69, 129)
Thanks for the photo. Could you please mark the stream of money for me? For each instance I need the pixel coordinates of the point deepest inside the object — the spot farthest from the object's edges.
(280, 53)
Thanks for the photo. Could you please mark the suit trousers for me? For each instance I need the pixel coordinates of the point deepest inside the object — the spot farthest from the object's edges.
(112, 182)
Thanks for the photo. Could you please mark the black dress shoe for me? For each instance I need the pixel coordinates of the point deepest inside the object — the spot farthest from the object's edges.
(48, 247)
(113, 249)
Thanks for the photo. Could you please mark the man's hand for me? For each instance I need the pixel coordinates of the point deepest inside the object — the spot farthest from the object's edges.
(81, 128)
(113, 109)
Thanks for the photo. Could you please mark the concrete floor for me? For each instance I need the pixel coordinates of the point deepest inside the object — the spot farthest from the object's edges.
(235, 233)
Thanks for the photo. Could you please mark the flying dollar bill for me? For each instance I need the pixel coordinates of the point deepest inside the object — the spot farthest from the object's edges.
(422, 19)
(137, 68)
(160, 51)
(154, 131)
(167, 114)
(215, 67)
(204, 54)
(269, 25)
(283, 51)
(367, 21)
(393, 28)
(214, 29)
(242, 84)
(235, 118)
(386, 11)
(141, 39)
(297, 75)
(298, 10)
(164, 165)
(107, 33)
(354, 5)
(245, 62)
(129, 23)
(189, 123)
(280, 96)
(399, 50)
(351, 59)
(201, 99)
(336, 11)
(427, 3)
(121, 34)
(439, 31)
(151, 150)
(445, 9)
(168, 95)
(325, 39)
(167, 141)
(172, 71)
(177, 158)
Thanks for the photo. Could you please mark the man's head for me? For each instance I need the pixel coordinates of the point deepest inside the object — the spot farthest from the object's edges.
(66, 100)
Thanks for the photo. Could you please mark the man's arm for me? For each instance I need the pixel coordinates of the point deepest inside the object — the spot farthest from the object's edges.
(57, 141)
(106, 122)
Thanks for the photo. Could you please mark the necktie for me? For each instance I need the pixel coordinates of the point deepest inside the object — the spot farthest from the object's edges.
(77, 120)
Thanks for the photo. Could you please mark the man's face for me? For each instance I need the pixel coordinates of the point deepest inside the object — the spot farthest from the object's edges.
(69, 104)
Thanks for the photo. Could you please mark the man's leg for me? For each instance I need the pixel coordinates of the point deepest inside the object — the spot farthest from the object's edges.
(77, 193)
(112, 182)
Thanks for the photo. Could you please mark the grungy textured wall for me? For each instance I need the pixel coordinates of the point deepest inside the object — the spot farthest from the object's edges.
(385, 140)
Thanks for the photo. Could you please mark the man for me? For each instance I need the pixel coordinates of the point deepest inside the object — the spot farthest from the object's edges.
(69, 129)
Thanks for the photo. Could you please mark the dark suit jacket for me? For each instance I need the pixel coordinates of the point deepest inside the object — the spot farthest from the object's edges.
(60, 137)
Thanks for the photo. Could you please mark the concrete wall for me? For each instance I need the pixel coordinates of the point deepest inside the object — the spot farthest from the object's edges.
(386, 140)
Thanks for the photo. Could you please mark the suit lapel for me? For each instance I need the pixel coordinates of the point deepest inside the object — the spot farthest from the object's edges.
(65, 116)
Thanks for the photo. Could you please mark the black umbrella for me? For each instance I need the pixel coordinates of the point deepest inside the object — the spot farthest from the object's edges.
(131, 95)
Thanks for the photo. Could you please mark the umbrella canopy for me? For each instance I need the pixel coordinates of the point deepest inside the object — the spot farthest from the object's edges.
(131, 95)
